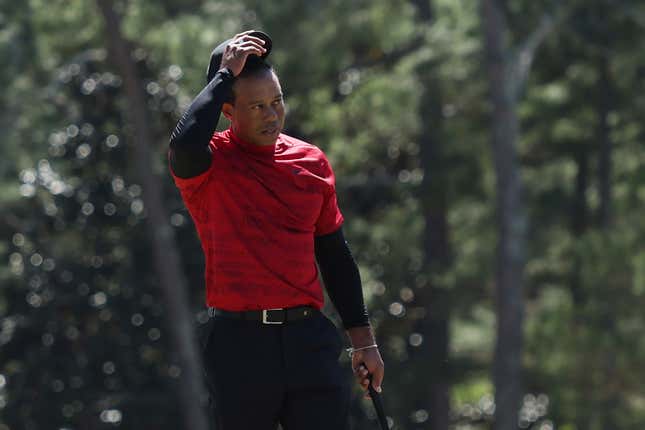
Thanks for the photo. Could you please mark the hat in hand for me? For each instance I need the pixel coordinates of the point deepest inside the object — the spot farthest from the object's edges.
(218, 53)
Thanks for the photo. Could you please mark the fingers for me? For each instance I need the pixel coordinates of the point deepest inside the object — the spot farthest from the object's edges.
(248, 39)
(243, 33)
(368, 368)
(363, 377)
(377, 378)
(236, 52)
(246, 48)
(250, 45)
(245, 37)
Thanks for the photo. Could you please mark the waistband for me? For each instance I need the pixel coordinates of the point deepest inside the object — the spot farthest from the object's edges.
(267, 316)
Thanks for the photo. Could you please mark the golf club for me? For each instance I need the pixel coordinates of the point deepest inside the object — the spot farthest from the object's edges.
(378, 405)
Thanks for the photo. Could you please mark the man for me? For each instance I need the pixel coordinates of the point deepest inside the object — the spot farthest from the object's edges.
(264, 205)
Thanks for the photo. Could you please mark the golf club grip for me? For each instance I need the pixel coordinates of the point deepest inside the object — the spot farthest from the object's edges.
(378, 403)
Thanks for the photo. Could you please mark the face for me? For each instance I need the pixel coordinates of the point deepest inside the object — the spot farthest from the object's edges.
(257, 115)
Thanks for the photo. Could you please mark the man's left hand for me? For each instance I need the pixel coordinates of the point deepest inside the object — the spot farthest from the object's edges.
(367, 361)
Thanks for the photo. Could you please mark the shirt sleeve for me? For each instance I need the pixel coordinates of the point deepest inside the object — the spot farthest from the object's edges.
(342, 278)
(189, 186)
(188, 153)
(330, 218)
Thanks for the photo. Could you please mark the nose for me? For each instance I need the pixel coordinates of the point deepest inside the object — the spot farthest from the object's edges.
(270, 113)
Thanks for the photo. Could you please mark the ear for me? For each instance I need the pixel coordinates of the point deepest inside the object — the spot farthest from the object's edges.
(227, 110)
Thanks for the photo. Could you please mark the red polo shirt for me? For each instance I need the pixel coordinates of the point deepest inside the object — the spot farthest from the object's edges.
(256, 210)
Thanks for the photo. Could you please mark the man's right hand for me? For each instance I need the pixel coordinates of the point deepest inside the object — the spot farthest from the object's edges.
(238, 50)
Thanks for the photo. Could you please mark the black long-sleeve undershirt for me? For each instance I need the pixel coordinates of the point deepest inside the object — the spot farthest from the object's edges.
(189, 151)
(342, 279)
(190, 156)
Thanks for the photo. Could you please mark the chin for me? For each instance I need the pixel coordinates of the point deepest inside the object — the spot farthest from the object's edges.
(264, 139)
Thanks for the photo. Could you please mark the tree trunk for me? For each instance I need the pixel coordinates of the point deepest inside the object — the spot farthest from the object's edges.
(611, 399)
(579, 216)
(165, 255)
(434, 327)
(604, 166)
(510, 218)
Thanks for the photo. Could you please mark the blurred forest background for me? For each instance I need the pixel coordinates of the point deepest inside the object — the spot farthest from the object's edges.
(490, 166)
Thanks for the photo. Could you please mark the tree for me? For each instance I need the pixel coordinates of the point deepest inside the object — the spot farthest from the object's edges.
(164, 250)
(399, 104)
(436, 246)
(507, 71)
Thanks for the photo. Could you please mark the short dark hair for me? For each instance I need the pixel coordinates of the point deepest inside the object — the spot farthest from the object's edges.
(254, 66)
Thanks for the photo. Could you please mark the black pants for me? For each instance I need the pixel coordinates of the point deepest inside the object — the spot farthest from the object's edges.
(261, 375)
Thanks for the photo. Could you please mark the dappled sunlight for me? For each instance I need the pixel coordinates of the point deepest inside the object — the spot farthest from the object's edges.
(486, 269)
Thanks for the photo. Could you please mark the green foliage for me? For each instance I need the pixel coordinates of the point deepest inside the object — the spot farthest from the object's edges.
(82, 329)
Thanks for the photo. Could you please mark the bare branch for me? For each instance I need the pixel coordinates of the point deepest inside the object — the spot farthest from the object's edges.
(524, 53)
(523, 58)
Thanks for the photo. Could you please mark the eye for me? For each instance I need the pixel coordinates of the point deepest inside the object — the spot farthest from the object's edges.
(256, 107)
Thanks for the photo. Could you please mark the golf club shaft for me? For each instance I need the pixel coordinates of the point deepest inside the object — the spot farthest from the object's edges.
(378, 404)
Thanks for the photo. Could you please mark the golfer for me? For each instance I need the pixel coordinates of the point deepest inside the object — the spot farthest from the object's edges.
(264, 206)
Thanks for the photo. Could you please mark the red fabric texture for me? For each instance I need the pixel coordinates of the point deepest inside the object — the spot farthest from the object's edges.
(256, 211)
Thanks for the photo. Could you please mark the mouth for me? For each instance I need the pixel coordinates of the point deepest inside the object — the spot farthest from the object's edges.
(270, 131)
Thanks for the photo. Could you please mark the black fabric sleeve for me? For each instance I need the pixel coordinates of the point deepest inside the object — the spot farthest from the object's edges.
(189, 152)
(342, 279)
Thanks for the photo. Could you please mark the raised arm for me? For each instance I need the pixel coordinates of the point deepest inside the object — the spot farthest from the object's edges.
(189, 152)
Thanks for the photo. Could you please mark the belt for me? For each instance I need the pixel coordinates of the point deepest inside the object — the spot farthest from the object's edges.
(267, 316)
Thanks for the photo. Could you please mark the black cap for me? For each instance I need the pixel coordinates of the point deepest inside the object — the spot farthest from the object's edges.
(216, 55)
